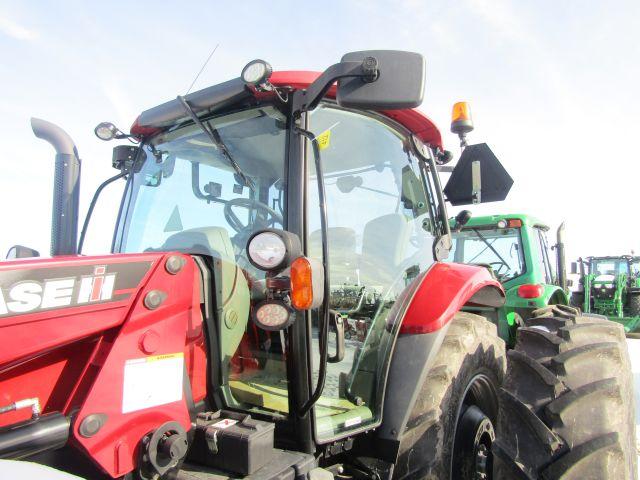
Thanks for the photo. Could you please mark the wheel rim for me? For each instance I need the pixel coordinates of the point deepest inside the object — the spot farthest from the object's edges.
(474, 432)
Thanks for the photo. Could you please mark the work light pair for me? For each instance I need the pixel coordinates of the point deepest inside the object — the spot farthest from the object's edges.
(279, 252)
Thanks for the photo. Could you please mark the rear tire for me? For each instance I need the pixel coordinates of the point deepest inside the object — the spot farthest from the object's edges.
(577, 300)
(567, 405)
(634, 304)
(459, 394)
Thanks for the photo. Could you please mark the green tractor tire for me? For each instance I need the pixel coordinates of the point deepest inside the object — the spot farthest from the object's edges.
(634, 304)
(566, 404)
(577, 300)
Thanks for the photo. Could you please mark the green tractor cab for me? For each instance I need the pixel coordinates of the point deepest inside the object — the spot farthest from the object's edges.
(610, 286)
(515, 248)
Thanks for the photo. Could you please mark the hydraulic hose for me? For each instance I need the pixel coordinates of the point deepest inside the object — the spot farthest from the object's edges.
(324, 316)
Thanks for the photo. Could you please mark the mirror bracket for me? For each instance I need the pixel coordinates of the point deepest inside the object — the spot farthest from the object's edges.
(306, 100)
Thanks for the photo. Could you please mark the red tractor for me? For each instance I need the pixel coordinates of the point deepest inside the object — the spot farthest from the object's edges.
(262, 218)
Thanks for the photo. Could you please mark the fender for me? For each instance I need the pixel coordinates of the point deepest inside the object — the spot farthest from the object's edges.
(443, 290)
(548, 292)
(440, 292)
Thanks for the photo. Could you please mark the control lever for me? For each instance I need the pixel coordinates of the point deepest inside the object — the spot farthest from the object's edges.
(336, 322)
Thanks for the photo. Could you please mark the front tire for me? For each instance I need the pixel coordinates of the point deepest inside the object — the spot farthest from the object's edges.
(451, 427)
(567, 406)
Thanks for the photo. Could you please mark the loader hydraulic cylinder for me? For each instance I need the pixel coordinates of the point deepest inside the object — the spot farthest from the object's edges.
(46, 432)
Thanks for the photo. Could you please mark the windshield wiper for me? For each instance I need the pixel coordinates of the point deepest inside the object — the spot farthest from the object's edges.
(214, 136)
(489, 245)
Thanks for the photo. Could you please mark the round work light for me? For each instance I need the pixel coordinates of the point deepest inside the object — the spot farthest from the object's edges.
(272, 315)
(267, 250)
(256, 72)
(106, 131)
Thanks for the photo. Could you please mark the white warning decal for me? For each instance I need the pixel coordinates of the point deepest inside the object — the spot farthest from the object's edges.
(152, 381)
(226, 423)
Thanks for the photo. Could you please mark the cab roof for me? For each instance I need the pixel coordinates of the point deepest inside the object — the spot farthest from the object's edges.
(233, 91)
(487, 220)
(412, 119)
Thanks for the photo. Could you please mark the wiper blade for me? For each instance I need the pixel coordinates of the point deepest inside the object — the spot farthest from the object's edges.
(488, 244)
(214, 136)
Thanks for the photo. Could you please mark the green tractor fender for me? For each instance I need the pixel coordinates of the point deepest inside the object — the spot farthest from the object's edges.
(515, 306)
(551, 295)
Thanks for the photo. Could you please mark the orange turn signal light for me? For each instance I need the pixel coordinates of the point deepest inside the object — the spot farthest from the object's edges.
(515, 222)
(301, 284)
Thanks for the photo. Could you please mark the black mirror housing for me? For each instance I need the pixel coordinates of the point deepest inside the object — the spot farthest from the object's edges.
(574, 267)
(399, 83)
(19, 251)
(478, 177)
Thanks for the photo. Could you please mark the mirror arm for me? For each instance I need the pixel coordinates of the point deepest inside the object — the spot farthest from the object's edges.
(306, 100)
(92, 205)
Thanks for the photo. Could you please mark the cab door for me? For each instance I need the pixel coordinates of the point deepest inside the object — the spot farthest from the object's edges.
(380, 240)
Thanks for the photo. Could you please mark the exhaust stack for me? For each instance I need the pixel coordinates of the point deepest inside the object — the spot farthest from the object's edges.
(66, 187)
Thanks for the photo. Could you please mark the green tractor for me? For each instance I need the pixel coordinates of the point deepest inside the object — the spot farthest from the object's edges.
(610, 286)
(516, 249)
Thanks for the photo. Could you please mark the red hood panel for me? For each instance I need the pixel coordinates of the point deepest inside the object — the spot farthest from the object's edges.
(45, 303)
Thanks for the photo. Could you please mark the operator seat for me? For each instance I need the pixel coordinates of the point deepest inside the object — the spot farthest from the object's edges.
(342, 254)
(231, 288)
(384, 243)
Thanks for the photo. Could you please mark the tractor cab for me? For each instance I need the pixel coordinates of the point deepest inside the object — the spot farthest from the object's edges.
(517, 251)
(381, 223)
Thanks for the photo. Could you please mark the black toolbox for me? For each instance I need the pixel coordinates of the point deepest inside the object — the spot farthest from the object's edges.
(232, 441)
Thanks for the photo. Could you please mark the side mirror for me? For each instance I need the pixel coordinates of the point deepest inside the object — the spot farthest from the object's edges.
(574, 267)
(398, 84)
(19, 251)
(478, 177)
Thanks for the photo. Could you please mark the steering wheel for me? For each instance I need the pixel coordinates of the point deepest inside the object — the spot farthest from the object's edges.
(270, 215)
(500, 264)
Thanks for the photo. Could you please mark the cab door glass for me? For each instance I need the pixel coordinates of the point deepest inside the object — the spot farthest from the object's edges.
(549, 268)
(379, 241)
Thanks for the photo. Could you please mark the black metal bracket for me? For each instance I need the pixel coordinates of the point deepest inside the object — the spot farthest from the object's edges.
(306, 100)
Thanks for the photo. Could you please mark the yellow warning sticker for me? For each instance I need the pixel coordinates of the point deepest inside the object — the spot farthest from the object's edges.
(324, 139)
(155, 358)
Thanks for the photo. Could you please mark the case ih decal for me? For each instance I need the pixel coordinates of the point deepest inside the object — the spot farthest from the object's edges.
(28, 291)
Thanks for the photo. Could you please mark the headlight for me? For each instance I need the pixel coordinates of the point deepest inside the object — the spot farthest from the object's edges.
(256, 72)
(272, 315)
(502, 224)
(267, 250)
(273, 249)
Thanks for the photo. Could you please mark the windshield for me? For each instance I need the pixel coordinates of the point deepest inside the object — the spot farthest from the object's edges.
(609, 266)
(500, 248)
(185, 195)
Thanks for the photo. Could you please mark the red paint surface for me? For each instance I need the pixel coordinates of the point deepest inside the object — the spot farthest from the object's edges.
(413, 120)
(530, 291)
(443, 290)
(73, 358)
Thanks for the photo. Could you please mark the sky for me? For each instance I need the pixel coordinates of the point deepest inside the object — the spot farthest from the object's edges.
(552, 85)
